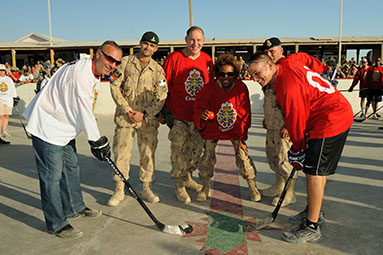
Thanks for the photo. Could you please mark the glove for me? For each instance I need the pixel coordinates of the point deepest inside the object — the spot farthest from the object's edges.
(296, 158)
(100, 148)
(350, 89)
(16, 101)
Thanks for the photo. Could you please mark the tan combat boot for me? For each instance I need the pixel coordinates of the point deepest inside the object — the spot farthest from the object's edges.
(181, 193)
(276, 189)
(118, 195)
(254, 193)
(203, 194)
(191, 184)
(290, 197)
(148, 194)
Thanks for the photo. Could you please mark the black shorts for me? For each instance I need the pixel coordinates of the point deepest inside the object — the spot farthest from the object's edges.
(374, 95)
(322, 155)
(363, 93)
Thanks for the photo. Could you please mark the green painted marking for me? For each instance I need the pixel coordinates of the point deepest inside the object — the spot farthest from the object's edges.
(224, 232)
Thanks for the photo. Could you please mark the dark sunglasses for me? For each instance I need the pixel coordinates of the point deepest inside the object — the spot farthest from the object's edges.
(229, 74)
(111, 59)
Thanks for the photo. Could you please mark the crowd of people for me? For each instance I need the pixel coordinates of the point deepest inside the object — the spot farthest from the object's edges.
(201, 102)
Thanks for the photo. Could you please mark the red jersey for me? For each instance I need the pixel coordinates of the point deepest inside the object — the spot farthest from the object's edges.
(311, 104)
(232, 112)
(361, 75)
(375, 77)
(185, 78)
(307, 60)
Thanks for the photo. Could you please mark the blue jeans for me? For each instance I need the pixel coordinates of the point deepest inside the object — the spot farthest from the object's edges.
(59, 175)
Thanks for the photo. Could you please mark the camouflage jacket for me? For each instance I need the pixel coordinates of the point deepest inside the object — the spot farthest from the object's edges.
(140, 90)
(274, 117)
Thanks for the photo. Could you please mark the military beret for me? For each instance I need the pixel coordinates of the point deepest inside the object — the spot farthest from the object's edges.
(150, 37)
(271, 42)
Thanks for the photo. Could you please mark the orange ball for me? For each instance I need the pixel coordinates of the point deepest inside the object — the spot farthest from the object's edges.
(211, 115)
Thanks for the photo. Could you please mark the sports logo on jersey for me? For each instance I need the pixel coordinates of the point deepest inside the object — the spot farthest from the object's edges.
(226, 116)
(194, 82)
(3, 87)
(376, 76)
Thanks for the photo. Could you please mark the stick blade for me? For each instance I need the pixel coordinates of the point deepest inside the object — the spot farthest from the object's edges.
(178, 229)
(260, 224)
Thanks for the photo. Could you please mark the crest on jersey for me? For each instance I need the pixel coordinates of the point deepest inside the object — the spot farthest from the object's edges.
(376, 76)
(3, 87)
(194, 82)
(226, 115)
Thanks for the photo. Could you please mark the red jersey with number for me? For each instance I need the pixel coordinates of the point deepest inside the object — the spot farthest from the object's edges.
(304, 58)
(232, 112)
(185, 78)
(375, 77)
(361, 76)
(311, 104)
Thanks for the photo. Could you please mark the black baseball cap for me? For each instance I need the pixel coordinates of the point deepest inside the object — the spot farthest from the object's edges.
(150, 37)
(271, 42)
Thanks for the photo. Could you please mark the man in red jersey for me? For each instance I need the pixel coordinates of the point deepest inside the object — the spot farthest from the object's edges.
(361, 77)
(187, 71)
(228, 98)
(375, 85)
(318, 118)
(278, 141)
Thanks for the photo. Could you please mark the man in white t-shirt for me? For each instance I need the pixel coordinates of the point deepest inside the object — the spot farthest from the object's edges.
(27, 77)
(55, 117)
(7, 95)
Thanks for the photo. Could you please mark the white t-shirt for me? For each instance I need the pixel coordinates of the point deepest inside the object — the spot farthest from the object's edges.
(64, 107)
(26, 78)
(7, 91)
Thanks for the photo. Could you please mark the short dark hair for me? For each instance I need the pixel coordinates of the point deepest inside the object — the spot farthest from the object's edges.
(259, 56)
(111, 43)
(226, 59)
(193, 28)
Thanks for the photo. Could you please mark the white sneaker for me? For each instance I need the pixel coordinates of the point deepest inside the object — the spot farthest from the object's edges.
(374, 117)
(5, 134)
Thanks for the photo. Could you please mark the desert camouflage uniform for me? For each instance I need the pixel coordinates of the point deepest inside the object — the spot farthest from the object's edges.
(140, 90)
(186, 147)
(244, 163)
(276, 147)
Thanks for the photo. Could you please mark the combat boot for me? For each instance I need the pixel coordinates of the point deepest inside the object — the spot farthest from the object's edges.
(276, 189)
(290, 197)
(254, 193)
(191, 184)
(148, 194)
(203, 194)
(181, 193)
(118, 195)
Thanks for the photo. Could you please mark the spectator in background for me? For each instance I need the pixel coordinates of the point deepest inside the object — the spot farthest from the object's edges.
(7, 68)
(59, 63)
(361, 77)
(27, 77)
(14, 74)
(7, 95)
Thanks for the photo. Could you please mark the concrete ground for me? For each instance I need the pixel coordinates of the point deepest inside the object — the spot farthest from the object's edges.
(352, 205)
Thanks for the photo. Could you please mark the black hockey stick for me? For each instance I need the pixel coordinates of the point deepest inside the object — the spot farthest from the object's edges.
(359, 112)
(262, 223)
(177, 229)
(22, 123)
(363, 119)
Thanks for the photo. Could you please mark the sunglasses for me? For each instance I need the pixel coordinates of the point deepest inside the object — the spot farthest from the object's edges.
(223, 74)
(111, 59)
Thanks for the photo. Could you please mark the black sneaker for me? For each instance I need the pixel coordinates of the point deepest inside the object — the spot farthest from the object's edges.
(69, 232)
(301, 217)
(2, 142)
(302, 234)
(87, 212)
(378, 115)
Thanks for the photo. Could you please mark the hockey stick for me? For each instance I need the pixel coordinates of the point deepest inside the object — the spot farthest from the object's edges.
(177, 229)
(262, 223)
(359, 112)
(361, 120)
(22, 123)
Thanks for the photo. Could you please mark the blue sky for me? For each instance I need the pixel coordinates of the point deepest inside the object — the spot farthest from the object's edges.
(127, 20)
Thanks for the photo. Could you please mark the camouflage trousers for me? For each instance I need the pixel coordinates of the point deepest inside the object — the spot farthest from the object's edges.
(122, 148)
(244, 163)
(186, 148)
(276, 151)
